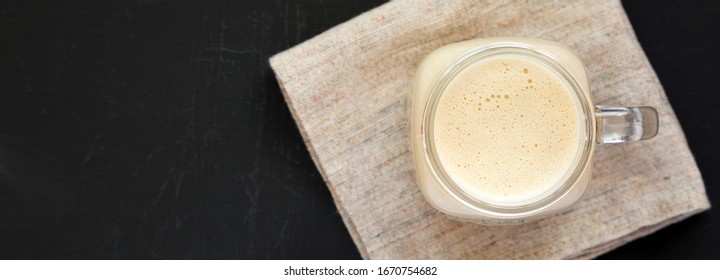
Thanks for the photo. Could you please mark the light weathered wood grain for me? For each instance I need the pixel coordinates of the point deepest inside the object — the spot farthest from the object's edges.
(348, 92)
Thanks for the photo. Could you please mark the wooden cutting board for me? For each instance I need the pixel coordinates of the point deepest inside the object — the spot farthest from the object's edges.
(348, 91)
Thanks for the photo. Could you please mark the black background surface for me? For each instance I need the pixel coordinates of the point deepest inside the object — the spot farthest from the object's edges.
(156, 129)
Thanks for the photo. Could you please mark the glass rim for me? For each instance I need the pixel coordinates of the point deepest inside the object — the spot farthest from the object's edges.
(570, 179)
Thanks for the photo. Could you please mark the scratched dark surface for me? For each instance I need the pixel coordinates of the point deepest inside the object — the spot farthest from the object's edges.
(155, 129)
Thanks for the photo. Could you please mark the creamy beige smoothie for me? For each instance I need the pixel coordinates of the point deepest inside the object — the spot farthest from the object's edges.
(502, 129)
(506, 130)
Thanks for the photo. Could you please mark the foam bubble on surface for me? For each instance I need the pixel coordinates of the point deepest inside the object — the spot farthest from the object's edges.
(506, 130)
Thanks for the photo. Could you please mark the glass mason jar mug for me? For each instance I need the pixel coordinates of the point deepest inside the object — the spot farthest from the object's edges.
(504, 129)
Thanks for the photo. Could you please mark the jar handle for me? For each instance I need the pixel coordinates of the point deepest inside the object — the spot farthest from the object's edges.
(624, 124)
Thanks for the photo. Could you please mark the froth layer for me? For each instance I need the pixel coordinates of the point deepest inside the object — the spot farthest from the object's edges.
(506, 130)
